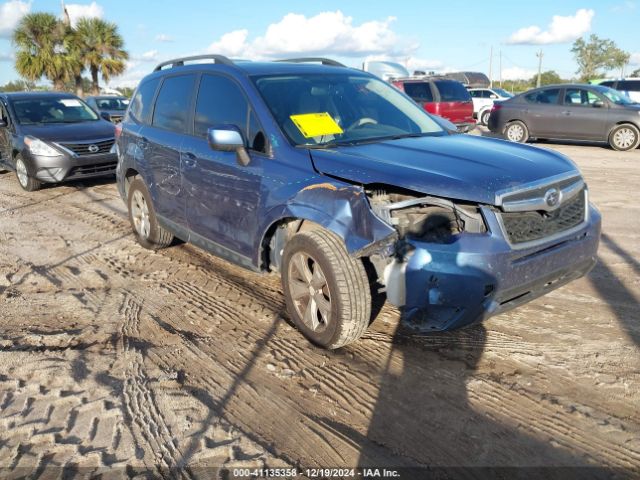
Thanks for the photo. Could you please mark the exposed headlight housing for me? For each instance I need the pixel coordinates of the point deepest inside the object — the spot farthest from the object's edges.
(40, 148)
(430, 219)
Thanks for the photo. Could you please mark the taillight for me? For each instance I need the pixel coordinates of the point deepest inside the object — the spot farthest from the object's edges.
(496, 107)
(118, 130)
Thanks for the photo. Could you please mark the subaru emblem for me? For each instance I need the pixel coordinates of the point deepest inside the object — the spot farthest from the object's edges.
(94, 149)
(552, 197)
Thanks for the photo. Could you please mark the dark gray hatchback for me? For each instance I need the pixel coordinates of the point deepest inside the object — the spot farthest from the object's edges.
(572, 112)
(51, 137)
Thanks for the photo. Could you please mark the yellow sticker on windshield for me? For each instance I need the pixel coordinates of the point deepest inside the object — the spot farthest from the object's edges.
(316, 124)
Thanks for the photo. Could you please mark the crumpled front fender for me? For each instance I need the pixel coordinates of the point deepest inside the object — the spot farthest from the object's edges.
(342, 209)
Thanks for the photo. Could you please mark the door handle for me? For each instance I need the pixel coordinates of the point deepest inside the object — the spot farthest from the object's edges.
(189, 159)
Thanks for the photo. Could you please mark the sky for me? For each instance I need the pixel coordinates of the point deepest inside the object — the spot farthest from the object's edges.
(426, 35)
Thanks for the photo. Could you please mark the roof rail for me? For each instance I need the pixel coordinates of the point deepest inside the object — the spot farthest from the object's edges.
(178, 62)
(323, 61)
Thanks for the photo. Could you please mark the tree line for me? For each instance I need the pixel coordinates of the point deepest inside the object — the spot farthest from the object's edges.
(61, 52)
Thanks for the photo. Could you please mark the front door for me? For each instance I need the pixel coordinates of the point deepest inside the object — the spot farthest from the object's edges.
(224, 198)
(584, 114)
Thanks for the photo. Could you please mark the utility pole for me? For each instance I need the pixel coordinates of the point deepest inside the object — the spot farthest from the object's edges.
(491, 67)
(500, 68)
(539, 55)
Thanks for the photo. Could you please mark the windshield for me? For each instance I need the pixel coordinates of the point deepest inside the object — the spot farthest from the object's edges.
(320, 110)
(503, 93)
(52, 110)
(615, 96)
(112, 103)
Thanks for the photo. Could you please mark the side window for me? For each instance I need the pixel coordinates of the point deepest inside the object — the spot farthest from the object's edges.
(549, 96)
(140, 109)
(580, 97)
(174, 102)
(475, 93)
(419, 91)
(486, 94)
(221, 101)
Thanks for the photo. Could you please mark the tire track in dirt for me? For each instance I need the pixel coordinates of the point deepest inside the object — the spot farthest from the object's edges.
(146, 421)
(541, 417)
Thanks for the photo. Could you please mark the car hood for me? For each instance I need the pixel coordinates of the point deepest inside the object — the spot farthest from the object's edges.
(462, 167)
(71, 132)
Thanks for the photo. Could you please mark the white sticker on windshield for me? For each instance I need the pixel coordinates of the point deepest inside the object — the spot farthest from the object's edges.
(70, 102)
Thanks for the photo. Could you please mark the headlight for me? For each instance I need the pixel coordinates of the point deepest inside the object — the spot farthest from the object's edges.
(38, 147)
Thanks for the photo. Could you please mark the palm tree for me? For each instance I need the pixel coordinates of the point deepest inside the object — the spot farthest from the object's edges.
(39, 42)
(101, 47)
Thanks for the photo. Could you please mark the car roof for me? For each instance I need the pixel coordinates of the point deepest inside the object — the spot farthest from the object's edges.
(264, 68)
(28, 95)
(105, 97)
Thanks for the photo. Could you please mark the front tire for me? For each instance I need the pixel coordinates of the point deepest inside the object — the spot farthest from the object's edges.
(326, 290)
(517, 132)
(142, 216)
(26, 181)
(624, 138)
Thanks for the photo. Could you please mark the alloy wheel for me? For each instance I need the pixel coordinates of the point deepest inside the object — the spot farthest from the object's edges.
(21, 172)
(310, 291)
(140, 214)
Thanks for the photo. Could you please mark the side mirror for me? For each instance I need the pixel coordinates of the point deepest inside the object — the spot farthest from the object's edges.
(105, 116)
(3, 124)
(228, 138)
(598, 104)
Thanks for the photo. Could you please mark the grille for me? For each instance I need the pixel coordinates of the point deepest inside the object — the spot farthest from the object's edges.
(93, 169)
(524, 227)
(83, 148)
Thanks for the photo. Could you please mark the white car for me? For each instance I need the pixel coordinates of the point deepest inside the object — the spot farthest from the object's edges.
(483, 99)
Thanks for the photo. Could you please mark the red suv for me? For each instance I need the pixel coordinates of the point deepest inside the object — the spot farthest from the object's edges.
(441, 96)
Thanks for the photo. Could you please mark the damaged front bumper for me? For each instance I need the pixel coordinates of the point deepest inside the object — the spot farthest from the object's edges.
(447, 286)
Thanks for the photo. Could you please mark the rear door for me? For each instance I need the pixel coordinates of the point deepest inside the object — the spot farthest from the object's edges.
(223, 198)
(5, 136)
(584, 114)
(163, 141)
(541, 113)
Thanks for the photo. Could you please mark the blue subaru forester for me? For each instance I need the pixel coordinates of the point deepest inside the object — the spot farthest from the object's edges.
(346, 187)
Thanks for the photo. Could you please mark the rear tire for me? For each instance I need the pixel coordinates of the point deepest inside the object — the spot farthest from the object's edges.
(516, 131)
(624, 137)
(327, 291)
(25, 177)
(484, 117)
(142, 216)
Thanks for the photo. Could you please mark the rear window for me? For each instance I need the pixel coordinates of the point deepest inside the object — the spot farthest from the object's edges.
(174, 100)
(451, 91)
(629, 85)
(543, 96)
(419, 91)
(141, 105)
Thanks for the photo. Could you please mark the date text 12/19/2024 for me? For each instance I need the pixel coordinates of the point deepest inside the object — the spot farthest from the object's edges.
(365, 473)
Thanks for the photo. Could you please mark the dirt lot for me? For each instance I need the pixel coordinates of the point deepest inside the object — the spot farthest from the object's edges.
(115, 356)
